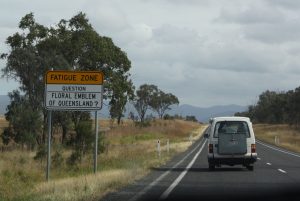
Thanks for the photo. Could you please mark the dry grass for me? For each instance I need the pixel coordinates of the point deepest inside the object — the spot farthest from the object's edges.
(120, 164)
(288, 137)
(89, 187)
(18, 174)
(3, 122)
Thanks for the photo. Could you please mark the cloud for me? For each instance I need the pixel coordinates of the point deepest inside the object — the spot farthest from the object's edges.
(287, 4)
(171, 34)
(288, 31)
(265, 23)
(253, 14)
(107, 16)
(206, 52)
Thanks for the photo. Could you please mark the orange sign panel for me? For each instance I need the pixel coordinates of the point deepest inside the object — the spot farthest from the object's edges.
(74, 77)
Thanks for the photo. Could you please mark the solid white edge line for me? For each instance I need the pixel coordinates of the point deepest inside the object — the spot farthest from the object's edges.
(271, 147)
(282, 171)
(147, 188)
(180, 177)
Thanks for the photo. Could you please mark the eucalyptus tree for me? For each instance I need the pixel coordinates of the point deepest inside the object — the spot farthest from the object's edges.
(69, 45)
(161, 102)
(143, 99)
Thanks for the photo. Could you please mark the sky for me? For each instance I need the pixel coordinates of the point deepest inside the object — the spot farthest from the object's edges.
(206, 52)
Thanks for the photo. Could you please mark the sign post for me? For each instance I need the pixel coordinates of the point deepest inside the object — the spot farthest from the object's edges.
(73, 91)
(49, 144)
(96, 142)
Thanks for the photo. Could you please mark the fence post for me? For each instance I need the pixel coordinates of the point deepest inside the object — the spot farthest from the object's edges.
(168, 146)
(158, 148)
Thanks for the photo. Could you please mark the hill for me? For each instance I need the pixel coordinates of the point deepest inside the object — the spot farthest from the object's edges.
(201, 113)
(204, 114)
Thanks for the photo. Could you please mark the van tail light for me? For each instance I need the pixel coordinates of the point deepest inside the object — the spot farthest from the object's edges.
(210, 148)
(253, 148)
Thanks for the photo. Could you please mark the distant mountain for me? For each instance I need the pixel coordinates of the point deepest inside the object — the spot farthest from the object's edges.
(202, 114)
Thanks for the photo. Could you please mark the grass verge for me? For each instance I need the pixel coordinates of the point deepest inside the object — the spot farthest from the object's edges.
(130, 154)
(286, 136)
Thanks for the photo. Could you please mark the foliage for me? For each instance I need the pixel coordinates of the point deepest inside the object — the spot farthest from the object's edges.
(162, 101)
(150, 97)
(191, 118)
(24, 122)
(143, 99)
(62, 119)
(84, 137)
(275, 108)
(41, 153)
(57, 158)
(123, 91)
(69, 45)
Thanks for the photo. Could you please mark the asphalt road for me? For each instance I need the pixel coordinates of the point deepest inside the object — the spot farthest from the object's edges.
(276, 176)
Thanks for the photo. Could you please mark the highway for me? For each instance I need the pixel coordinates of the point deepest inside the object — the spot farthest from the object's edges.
(276, 176)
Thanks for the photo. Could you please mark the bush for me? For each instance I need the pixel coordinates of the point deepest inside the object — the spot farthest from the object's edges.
(57, 158)
(41, 153)
(142, 124)
(74, 159)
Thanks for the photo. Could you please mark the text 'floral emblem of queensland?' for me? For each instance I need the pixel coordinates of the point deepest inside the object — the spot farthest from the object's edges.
(73, 90)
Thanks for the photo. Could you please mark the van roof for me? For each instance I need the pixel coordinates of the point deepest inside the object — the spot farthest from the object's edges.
(230, 119)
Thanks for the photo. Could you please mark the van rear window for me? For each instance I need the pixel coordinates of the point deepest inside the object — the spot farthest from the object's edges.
(231, 127)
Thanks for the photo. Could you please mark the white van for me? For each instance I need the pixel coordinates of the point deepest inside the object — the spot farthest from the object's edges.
(231, 141)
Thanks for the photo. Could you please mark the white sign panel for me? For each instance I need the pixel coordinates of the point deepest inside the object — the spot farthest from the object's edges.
(67, 90)
(73, 97)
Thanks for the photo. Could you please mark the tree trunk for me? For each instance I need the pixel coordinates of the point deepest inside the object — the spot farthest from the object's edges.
(64, 134)
(119, 120)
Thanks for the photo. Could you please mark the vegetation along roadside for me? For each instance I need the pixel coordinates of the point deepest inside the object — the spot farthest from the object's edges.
(129, 152)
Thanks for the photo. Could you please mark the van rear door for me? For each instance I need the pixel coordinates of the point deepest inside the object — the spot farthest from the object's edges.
(232, 137)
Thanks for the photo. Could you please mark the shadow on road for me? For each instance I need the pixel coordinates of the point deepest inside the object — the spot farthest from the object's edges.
(179, 169)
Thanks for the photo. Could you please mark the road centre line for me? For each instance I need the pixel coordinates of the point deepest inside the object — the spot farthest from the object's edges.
(153, 183)
(268, 163)
(271, 147)
(180, 177)
(259, 159)
(280, 170)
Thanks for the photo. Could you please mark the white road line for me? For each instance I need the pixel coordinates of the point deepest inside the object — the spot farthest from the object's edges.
(180, 177)
(268, 163)
(259, 159)
(147, 188)
(271, 147)
(282, 171)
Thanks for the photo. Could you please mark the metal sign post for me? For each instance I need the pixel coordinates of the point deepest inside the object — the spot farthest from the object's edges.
(96, 142)
(49, 144)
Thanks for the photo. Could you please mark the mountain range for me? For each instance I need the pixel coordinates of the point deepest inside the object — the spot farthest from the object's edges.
(201, 113)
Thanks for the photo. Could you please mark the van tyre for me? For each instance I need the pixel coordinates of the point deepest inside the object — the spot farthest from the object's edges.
(211, 167)
(250, 167)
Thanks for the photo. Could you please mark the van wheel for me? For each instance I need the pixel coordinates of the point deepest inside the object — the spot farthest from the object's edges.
(250, 167)
(211, 167)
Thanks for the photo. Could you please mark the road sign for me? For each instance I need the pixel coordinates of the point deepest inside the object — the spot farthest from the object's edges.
(74, 90)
